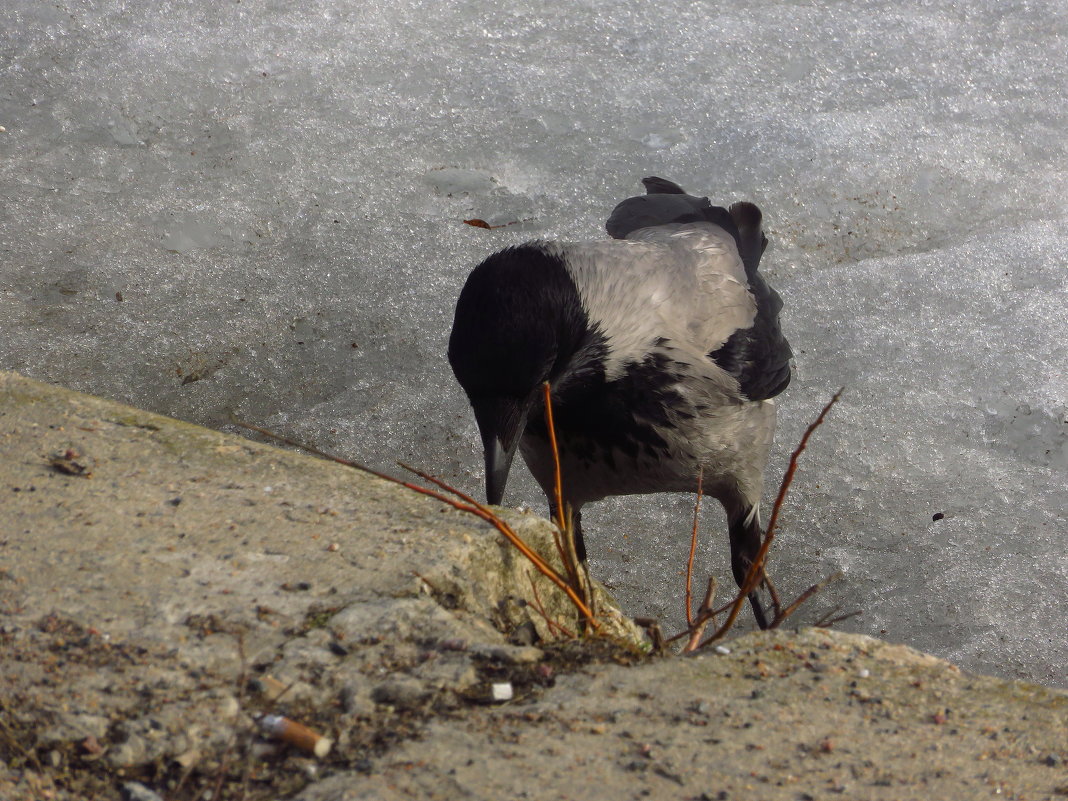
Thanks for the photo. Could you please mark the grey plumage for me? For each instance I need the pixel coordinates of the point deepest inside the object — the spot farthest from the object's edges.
(662, 349)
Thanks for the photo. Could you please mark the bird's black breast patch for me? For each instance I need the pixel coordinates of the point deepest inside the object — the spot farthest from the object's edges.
(597, 418)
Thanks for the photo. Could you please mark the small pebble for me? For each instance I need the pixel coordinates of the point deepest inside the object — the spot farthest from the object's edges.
(269, 687)
(333, 547)
(502, 692)
(722, 649)
(864, 673)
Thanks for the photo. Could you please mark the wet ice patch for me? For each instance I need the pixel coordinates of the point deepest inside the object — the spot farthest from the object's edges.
(456, 181)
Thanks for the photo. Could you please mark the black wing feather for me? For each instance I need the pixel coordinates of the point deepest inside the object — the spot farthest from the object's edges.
(665, 203)
(758, 356)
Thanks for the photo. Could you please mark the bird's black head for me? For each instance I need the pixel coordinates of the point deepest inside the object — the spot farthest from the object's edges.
(519, 321)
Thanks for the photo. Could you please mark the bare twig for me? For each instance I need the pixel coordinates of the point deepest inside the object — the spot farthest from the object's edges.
(789, 610)
(705, 615)
(774, 593)
(558, 480)
(652, 627)
(466, 504)
(479, 510)
(564, 537)
(693, 547)
(756, 569)
(827, 621)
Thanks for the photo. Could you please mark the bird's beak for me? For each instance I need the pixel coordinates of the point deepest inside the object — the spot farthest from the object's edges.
(501, 423)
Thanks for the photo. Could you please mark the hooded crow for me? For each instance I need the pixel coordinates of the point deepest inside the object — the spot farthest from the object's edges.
(662, 350)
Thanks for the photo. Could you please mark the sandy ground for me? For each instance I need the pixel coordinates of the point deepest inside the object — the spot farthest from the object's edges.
(162, 586)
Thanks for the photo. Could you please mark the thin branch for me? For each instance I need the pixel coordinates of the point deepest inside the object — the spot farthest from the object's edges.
(827, 621)
(558, 480)
(563, 519)
(652, 628)
(356, 466)
(756, 569)
(577, 572)
(789, 477)
(789, 610)
(693, 547)
(479, 510)
(705, 615)
(469, 505)
(774, 593)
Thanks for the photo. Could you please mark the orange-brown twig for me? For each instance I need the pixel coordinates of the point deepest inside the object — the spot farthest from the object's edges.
(564, 536)
(756, 570)
(789, 610)
(479, 510)
(468, 504)
(705, 614)
(774, 593)
(693, 548)
(827, 620)
(558, 479)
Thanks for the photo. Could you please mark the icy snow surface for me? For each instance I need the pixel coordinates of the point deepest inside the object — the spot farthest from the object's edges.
(256, 207)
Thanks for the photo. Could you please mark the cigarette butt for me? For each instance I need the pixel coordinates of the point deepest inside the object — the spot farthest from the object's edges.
(297, 735)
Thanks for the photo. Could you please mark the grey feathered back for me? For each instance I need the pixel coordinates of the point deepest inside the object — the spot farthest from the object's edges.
(758, 355)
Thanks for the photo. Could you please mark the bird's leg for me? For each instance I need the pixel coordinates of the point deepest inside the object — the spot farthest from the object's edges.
(746, 535)
(580, 554)
(576, 529)
(580, 543)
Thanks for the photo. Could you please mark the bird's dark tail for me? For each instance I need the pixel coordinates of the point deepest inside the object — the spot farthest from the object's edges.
(751, 239)
(665, 203)
(661, 186)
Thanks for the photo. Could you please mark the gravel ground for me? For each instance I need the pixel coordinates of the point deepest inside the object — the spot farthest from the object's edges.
(162, 586)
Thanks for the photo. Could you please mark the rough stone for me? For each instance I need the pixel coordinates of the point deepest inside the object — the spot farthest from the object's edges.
(403, 692)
